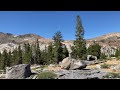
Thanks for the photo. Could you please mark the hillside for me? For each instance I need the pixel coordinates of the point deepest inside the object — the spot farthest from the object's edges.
(10, 38)
(109, 42)
(111, 39)
(9, 41)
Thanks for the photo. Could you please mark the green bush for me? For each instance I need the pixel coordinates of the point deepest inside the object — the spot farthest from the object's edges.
(43, 66)
(1, 71)
(84, 57)
(105, 65)
(112, 75)
(103, 56)
(118, 57)
(109, 58)
(95, 50)
(47, 75)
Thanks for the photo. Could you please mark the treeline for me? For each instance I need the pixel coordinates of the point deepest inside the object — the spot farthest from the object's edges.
(32, 54)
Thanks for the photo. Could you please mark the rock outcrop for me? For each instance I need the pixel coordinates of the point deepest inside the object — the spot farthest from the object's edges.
(108, 50)
(65, 64)
(20, 71)
(77, 65)
(72, 64)
(81, 74)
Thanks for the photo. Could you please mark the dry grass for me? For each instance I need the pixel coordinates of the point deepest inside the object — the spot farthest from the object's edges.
(57, 68)
(112, 62)
(105, 66)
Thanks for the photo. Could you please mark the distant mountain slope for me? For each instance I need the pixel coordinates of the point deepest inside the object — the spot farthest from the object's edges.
(107, 36)
(111, 39)
(9, 41)
(109, 42)
(26, 38)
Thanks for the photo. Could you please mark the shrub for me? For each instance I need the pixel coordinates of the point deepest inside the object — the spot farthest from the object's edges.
(94, 50)
(47, 75)
(84, 57)
(103, 56)
(43, 66)
(118, 58)
(105, 65)
(1, 71)
(112, 75)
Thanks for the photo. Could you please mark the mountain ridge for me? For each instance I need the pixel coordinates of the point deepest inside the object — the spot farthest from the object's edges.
(30, 37)
(104, 36)
(8, 41)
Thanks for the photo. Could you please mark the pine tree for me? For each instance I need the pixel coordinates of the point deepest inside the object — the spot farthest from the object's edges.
(73, 53)
(65, 52)
(37, 53)
(5, 59)
(25, 57)
(44, 58)
(58, 50)
(27, 54)
(95, 50)
(50, 54)
(1, 60)
(32, 52)
(9, 59)
(15, 57)
(79, 48)
(33, 60)
(20, 55)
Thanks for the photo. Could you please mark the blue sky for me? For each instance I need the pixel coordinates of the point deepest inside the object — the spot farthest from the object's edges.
(46, 23)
